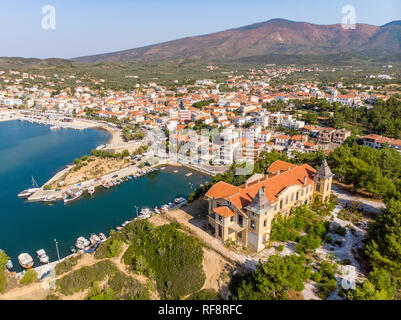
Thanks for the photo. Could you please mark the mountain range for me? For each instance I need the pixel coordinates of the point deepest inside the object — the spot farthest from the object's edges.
(270, 38)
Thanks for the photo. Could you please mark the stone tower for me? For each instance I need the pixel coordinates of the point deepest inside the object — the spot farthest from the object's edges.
(323, 180)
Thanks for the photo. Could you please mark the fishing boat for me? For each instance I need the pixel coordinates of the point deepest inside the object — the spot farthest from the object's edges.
(49, 198)
(102, 237)
(9, 265)
(188, 174)
(28, 192)
(72, 195)
(25, 260)
(42, 256)
(82, 243)
(91, 190)
(179, 200)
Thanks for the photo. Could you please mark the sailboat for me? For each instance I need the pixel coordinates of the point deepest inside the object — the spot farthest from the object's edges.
(27, 193)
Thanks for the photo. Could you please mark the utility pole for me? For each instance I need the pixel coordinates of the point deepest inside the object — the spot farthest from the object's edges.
(58, 254)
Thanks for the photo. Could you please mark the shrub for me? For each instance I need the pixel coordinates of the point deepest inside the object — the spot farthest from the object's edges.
(206, 294)
(3, 260)
(29, 277)
(67, 264)
(3, 281)
(280, 248)
(308, 244)
(272, 280)
(115, 248)
(173, 258)
(340, 231)
(83, 278)
(127, 288)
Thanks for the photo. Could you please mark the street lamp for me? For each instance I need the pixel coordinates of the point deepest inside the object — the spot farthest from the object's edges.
(137, 208)
(58, 254)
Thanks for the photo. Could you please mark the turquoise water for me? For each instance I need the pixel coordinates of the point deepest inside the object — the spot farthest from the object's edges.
(27, 150)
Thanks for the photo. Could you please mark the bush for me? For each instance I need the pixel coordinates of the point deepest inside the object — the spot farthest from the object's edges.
(29, 277)
(3, 281)
(280, 248)
(173, 258)
(273, 279)
(3, 260)
(83, 278)
(115, 248)
(127, 288)
(67, 264)
(308, 244)
(341, 231)
(206, 294)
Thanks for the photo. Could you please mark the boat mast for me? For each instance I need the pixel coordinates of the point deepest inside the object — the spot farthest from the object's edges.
(34, 184)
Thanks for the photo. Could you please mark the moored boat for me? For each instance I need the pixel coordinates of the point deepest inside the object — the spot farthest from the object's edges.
(9, 265)
(94, 239)
(82, 243)
(25, 260)
(102, 237)
(91, 190)
(42, 256)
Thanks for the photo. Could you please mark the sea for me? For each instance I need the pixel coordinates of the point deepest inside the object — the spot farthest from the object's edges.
(31, 150)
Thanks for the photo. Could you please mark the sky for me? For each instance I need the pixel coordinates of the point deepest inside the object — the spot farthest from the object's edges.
(89, 27)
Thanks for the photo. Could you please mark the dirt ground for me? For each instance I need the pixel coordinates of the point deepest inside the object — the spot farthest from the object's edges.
(98, 167)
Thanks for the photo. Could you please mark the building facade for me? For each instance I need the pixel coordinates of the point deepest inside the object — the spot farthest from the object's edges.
(244, 214)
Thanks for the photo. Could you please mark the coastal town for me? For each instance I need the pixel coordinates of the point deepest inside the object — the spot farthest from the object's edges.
(212, 127)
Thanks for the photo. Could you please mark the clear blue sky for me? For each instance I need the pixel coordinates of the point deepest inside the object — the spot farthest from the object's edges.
(97, 26)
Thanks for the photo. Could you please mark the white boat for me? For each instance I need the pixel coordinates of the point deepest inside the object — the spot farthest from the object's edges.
(42, 256)
(125, 223)
(72, 195)
(49, 198)
(82, 243)
(102, 237)
(25, 260)
(188, 174)
(27, 193)
(91, 190)
(94, 239)
(157, 211)
(9, 265)
(179, 200)
(165, 208)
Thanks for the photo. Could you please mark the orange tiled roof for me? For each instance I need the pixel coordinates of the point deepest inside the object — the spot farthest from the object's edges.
(222, 190)
(274, 185)
(224, 212)
(280, 165)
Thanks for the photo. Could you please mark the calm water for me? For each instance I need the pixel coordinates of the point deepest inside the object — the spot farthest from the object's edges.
(27, 150)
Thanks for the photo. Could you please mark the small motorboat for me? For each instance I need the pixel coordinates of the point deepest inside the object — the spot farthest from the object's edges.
(94, 239)
(73, 250)
(102, 237)
(25, 260)
(72, 195)
(9, 265)
(27, 193)
(42, 256)
(82, 243)
(188, 174)
(179, 200)
(91, 190)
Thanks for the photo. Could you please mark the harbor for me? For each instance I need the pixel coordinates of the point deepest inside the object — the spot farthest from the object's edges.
(26, 227)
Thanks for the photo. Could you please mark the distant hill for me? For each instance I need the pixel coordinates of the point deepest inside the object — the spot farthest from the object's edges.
(274, 37)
